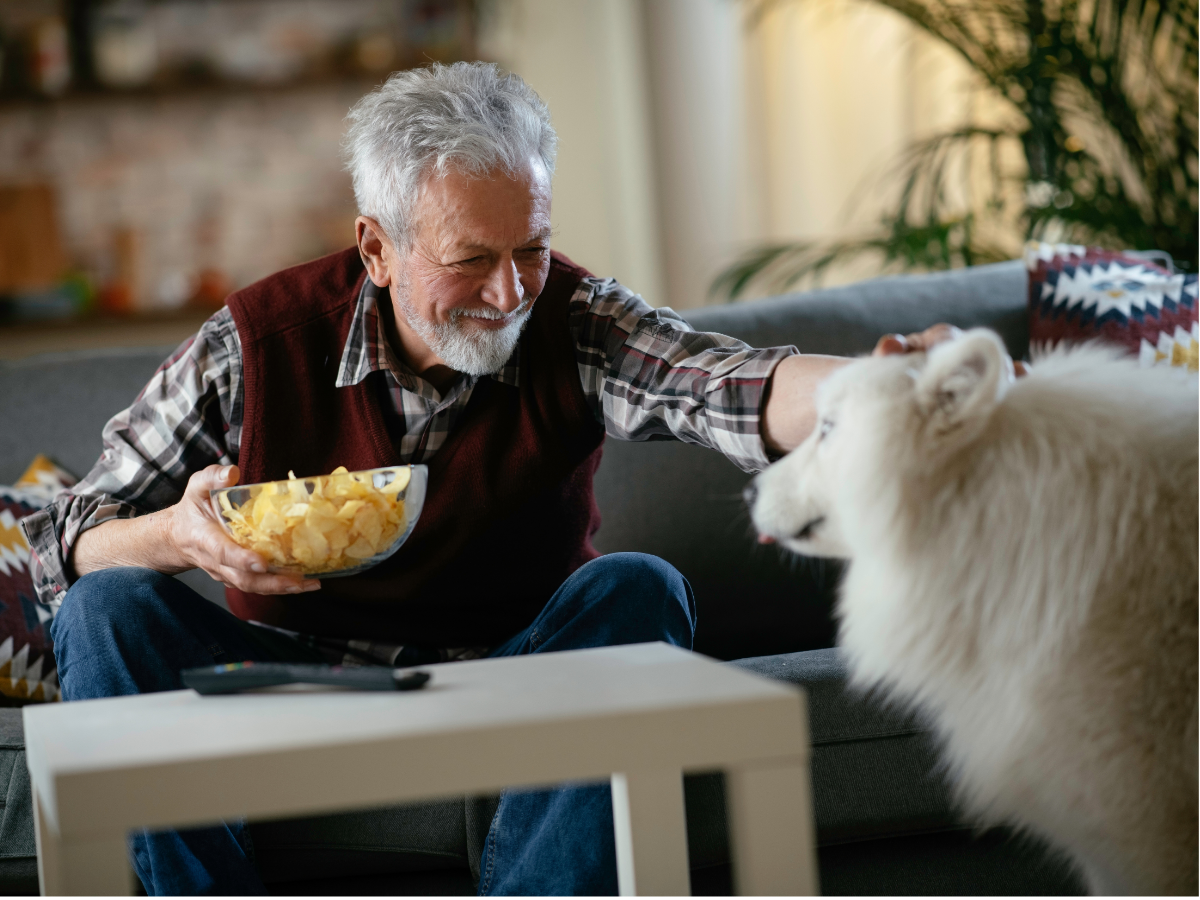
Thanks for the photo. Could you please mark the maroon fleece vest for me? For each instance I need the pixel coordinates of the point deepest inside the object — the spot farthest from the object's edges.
(509, 512)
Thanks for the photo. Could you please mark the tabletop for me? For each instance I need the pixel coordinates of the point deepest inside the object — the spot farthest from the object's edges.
(587, 712)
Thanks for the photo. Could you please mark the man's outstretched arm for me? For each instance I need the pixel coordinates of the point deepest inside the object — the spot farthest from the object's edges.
(790, 408)
(649, 375)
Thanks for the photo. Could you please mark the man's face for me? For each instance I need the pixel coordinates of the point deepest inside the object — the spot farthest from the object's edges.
(479, 258)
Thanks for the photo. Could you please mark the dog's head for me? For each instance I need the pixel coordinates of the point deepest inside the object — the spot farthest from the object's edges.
(878, 419)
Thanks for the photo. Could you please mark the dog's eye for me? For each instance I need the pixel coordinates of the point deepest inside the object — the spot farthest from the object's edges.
(824, 428)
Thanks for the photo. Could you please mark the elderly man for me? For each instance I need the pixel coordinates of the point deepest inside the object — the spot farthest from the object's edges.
(451, 336)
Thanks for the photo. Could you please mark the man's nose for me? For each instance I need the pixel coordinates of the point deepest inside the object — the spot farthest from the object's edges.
(504, 290)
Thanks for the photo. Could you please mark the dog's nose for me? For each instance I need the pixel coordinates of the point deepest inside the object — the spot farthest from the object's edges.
(750, 494)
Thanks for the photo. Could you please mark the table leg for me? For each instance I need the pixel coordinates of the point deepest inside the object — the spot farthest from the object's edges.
(771, 832)
(95, 866)
(651, 832)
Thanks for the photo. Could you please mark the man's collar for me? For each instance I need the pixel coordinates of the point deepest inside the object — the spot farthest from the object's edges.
(360, 351)
(367, 349)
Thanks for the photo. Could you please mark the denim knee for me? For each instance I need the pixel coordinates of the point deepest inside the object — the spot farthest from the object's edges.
(637, 584)
(106, 599)
(129, 631)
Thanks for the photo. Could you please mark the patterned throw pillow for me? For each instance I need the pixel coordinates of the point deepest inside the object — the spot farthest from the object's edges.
(1084, 293)
(27, 669)
(44, 479)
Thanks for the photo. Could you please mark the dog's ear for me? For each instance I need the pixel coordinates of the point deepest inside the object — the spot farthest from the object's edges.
(963, 379)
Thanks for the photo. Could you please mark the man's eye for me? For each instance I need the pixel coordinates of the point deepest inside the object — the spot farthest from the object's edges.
(825, 427)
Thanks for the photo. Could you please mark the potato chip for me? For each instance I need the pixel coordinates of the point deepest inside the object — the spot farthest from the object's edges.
(320, 524)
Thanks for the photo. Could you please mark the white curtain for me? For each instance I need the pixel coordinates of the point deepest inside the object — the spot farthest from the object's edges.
(688, 136)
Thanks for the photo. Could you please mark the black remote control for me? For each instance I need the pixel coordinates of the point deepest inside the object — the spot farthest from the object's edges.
(234, 678)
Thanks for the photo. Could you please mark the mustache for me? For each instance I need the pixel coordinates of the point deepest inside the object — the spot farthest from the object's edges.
(490, 312)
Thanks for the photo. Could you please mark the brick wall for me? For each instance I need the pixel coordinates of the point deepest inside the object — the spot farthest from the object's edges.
(243, 183)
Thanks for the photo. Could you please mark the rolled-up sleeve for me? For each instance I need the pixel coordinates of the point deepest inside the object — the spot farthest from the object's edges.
(187, 417)
(650, 376)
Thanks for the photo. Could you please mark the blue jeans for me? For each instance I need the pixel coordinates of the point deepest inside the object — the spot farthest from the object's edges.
(131, 631)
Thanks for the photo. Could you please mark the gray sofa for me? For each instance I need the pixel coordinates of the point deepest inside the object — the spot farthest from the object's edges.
(885, 820)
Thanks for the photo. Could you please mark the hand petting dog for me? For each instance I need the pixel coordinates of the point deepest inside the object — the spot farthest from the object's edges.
(921, 341)
(789, 410)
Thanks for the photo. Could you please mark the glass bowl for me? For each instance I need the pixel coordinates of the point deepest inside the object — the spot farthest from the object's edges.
(325, 526)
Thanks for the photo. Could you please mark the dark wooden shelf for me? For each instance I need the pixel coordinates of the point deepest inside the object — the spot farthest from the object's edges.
(22, 339)
(85, 95)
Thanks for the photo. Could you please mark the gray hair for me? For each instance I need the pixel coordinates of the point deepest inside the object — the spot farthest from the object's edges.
(468, 116)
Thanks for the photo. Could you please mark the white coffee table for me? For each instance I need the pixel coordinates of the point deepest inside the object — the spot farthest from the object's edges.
(639, 715)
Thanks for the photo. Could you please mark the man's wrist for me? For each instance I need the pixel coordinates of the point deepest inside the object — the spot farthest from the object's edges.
(144, 541)
(789, 411)
(164, 523)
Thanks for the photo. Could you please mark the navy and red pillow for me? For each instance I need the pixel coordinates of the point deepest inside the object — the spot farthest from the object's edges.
(1085, 293)
(28, 673)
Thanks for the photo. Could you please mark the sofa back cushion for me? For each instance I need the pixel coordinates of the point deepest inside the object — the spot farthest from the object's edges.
(849, 319)
(57, 404)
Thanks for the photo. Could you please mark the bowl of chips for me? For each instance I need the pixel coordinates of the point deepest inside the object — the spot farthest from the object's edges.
(325, 525)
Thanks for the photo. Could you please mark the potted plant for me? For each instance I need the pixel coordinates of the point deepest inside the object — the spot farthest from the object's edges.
(1100, 100)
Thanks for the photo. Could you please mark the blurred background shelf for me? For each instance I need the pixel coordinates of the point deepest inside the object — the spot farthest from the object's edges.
(21, 340)
(203, 90)
(157, 154)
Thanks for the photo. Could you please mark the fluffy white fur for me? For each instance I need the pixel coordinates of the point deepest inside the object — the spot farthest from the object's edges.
(1024, 570)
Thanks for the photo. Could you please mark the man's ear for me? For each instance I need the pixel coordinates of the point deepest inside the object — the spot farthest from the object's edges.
(964, 379)
(375, 249)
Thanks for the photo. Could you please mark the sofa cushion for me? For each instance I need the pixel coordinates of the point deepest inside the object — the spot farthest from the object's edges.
(438, 836)
(18, 853)
(684, 504)
(874, 767)
(884, 814)
(412, 838)
(63, 401)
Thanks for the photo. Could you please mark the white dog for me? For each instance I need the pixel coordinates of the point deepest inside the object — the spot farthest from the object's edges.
(1024, 570)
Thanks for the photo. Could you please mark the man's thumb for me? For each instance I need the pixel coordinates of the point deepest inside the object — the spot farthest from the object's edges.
(217, 477)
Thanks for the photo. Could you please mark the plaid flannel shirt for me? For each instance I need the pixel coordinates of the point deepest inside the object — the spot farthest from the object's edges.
(646, 373)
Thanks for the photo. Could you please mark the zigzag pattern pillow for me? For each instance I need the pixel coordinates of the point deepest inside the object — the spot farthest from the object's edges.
(1085, 293)
(28, 673)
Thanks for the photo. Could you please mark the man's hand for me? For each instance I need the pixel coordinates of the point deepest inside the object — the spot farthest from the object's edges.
(203, 542)
(922, 341)
(181, 537)
(892, 344)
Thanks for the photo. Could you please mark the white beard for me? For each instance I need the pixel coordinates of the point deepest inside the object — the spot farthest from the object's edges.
(463, 348)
